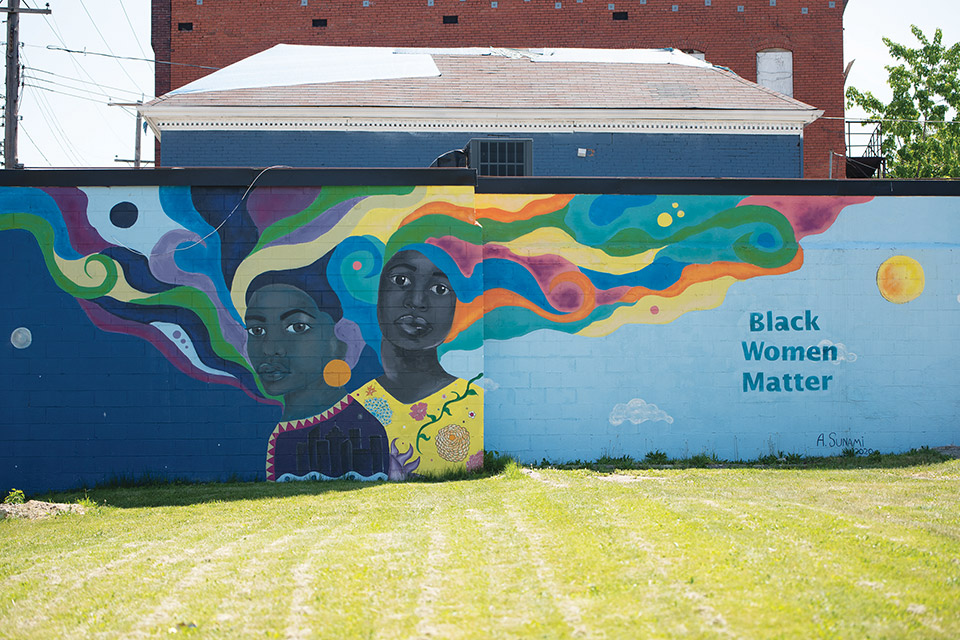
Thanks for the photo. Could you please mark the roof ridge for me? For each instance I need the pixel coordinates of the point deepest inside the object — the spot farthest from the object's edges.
(782, 96)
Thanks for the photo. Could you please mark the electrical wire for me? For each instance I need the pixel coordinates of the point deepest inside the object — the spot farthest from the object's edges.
(107, 55)
(52, 24)
(135, 36)
(64, 93)
(35, 145)
(53, 122)
(58, 75)
(218, 227)
(67, 86)
(56, 131)
(100, 33)
(55, 31)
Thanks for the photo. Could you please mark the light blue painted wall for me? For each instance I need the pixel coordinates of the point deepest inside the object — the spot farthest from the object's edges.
(895, 387)
(554, 154)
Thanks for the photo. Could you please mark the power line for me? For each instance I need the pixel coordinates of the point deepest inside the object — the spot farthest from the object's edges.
(51, 23)
(64, 93)
(59, 136)
(51, 73)
(135, 36)
(60, 84)
(50, 117)
(99, 33)
(107, 55)
(35, 145)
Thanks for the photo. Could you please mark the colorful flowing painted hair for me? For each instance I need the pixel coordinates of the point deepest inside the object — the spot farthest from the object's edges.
(588, 264)
(175, 265)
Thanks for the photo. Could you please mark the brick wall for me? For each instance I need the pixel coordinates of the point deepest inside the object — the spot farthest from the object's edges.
(228, 30)
(623, 154)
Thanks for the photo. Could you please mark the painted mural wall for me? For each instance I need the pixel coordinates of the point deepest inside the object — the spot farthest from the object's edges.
(283, 333)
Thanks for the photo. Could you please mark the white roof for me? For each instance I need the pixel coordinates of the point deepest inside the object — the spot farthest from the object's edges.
(292, 65)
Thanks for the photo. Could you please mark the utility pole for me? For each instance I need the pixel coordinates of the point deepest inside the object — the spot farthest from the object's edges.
(136, 143)
(13, 12)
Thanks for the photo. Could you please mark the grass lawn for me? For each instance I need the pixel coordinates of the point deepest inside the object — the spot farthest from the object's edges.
(551, 553)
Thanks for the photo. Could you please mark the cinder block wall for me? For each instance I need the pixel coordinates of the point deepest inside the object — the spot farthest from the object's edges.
(872, 278)
(729, 32)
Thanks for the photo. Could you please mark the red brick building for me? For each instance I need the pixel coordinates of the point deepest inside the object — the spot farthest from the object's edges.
(730, 33)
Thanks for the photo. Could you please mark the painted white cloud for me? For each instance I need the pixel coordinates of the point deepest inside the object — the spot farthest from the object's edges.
(637, 411)
(842, 354)
(488, 383)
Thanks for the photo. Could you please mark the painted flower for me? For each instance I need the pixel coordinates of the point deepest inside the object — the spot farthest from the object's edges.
(371, 390)
(453, 443)
(475, 462)
(401, 467)
(472, 414)
(380, 408)
(418, 411)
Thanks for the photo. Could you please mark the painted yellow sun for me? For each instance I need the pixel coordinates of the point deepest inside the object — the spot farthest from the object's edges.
(900, 279)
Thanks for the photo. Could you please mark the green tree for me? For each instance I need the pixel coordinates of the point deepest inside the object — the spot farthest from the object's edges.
(920, 126)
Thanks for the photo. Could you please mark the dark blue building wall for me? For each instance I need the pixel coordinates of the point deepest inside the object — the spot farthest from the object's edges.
(554, 154)
(74, 417)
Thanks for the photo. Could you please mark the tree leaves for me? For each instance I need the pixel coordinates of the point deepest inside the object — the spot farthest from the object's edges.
(921, 133)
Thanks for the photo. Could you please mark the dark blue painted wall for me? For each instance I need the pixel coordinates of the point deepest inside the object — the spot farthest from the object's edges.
(76, 420)
(554, 154)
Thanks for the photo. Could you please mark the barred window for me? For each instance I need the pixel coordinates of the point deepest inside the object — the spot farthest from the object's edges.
(502, 156)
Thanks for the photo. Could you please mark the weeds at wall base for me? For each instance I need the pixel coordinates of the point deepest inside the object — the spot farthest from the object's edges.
(497, 464)
(846, 460)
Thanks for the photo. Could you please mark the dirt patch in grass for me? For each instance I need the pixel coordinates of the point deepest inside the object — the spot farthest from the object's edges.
(33, 509)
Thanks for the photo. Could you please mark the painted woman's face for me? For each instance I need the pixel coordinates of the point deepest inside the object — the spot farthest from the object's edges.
(416, 303)
(290, 339)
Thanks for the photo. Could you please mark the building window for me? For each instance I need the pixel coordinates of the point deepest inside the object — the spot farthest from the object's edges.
(502, 156)
(699, 55)
(775, 70)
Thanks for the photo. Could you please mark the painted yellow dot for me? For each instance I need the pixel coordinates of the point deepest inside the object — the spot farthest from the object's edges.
(664, 219)
(680, 213)
(900, 279)
(676, 204)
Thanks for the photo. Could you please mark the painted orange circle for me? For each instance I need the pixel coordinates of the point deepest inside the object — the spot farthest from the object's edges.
(336, 373)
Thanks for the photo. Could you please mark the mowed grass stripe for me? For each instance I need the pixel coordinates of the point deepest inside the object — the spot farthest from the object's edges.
(740, 553)
(896, 560)
(817, 561)
(113, 567)
(630, 579)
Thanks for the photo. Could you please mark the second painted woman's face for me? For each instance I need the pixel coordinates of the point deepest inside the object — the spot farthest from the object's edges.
(416, 303)
(290, 339)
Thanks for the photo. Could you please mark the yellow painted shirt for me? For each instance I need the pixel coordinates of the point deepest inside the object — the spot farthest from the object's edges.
(447, 425)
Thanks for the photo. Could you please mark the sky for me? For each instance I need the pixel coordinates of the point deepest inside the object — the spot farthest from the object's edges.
(66, 121)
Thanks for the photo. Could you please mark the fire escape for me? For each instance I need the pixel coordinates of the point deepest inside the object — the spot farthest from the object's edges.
(865, 157)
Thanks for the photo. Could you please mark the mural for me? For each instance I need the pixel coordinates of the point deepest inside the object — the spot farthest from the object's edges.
(366, 316)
